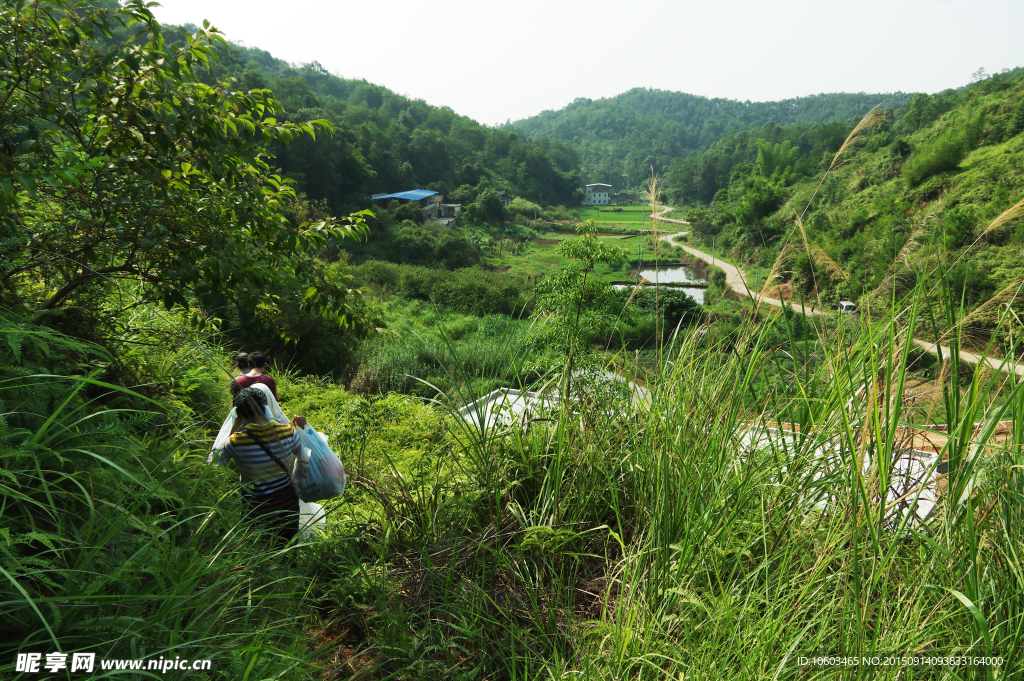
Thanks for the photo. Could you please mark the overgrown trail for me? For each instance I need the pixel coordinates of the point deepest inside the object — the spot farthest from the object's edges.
(993, 363)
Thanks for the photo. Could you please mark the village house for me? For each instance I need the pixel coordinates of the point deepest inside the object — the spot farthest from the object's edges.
(599, 194)
(431, 202)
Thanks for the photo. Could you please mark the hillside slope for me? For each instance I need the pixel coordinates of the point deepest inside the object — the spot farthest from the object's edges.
(385, 142)
(621, 137)
(924, 187)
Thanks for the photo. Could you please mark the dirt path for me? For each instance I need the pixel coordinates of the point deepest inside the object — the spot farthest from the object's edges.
(736, 280)
(734, 277)
(666, 209)
(993, 363)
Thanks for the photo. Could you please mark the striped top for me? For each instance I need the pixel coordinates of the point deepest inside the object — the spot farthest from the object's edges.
(258, 469)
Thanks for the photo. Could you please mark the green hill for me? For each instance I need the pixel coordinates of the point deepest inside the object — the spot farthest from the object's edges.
(668, 490)
(621, 137)
(926, 183)
(386, 142)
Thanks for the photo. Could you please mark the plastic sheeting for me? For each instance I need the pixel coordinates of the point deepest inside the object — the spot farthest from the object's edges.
(273, 412)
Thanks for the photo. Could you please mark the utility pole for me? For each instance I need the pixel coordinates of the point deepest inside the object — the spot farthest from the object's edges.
(713, 249)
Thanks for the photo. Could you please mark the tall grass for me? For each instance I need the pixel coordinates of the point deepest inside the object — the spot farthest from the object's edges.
(737, 523)
(115, 538)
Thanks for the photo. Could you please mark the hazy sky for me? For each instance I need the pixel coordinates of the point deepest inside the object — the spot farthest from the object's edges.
(496, 61)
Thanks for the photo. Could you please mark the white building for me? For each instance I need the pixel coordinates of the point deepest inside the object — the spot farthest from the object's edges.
(599, 194)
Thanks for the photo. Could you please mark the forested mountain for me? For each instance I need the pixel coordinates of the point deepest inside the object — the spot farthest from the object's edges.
(621, 137)
(385, 142)
(927, 180)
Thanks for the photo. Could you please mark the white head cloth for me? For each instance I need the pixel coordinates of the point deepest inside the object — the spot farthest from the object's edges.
(272, 410)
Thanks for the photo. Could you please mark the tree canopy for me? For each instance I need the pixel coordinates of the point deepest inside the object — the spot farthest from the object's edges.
(120, 169)
(385, 142)
(621, 138)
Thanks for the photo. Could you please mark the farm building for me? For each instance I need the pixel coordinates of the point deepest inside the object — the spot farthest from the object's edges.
(429, 201)
(599, 194)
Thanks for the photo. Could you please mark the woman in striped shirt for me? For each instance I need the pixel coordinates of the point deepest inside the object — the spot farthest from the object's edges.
(263, 452)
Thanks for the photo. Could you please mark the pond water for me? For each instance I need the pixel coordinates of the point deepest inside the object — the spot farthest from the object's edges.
(675, 274)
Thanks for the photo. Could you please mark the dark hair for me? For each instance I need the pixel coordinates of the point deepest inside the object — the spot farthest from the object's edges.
(257, 359)
(250, 402)
(242, 360)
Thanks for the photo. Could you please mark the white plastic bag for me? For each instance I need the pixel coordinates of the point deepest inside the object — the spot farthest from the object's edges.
(311, 519)
(320, 472)
(276, 413)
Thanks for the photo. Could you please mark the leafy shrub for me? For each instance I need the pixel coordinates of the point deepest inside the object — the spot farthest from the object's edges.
(974, 285)
(454, 250)
(379, 273)
(424, 244)
(476, 291)
(410, 211)
(942, 155)
(560, 214)
(487, 208)
(762, 198)
(959, 226)
(525, 208)
(900, 149)
(470, 290)
(673, 304)
(860, 218)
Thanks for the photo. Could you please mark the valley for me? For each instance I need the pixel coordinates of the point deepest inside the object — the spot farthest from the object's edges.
(767, 409)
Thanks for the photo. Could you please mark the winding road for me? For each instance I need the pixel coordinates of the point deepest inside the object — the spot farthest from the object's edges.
(737, 281)
(734, 277)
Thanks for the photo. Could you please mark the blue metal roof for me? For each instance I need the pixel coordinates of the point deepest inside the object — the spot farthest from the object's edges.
(411, 195)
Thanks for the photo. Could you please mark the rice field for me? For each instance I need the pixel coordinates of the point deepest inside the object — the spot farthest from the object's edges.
(632, 215)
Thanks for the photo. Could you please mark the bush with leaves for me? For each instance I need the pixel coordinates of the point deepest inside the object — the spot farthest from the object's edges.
(119, 164)
(574, 306)
(471, 290)
(942, 155)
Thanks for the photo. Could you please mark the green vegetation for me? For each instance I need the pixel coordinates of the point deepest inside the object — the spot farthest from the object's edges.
(926, 182)
(706, 491)
(647, 519)
(626, 214)
(385, 142)
(621, 138)
(470, 290)
(101, 192)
